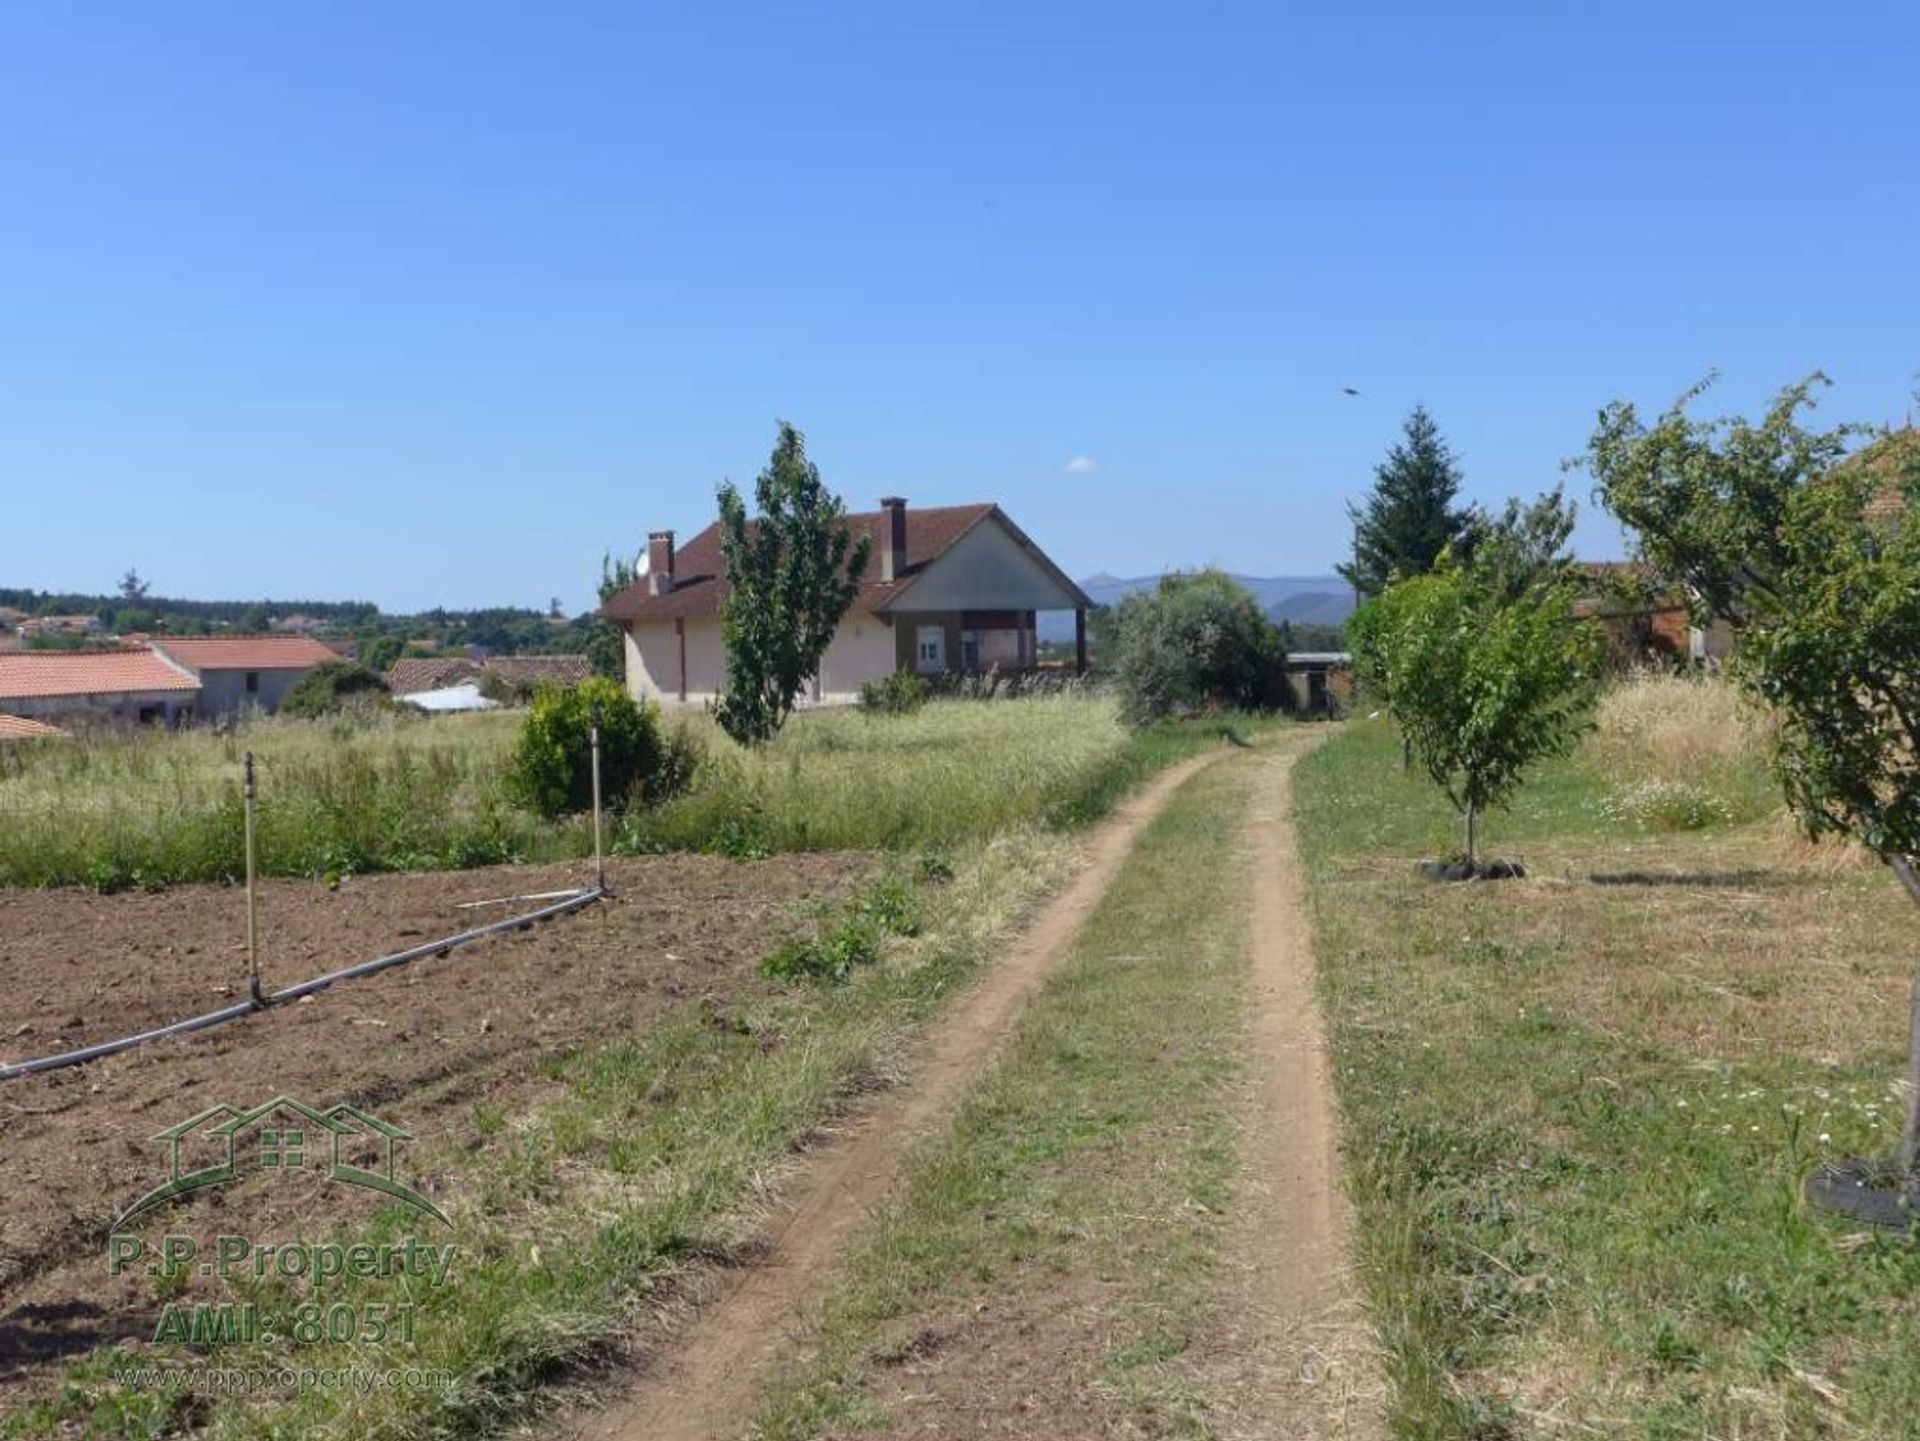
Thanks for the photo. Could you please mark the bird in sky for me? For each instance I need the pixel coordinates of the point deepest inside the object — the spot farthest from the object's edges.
(1348, 389)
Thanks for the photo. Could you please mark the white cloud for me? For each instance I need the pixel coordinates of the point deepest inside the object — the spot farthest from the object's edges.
(1082, 465)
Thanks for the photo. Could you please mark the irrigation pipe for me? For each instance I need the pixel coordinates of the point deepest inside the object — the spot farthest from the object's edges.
(573, 901)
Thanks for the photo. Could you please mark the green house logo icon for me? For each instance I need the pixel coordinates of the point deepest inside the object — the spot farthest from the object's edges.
(223, 1143)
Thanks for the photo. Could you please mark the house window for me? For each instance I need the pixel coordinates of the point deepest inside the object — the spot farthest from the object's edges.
(253, 682)
(930, 648)
(969, 650)
(282, 1149)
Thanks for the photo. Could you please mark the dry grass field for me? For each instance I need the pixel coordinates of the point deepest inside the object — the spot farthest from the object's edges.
(1581, 1106)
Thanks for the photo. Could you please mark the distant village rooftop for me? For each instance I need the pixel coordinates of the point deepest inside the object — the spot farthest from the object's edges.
(245, 652)
(40, 674)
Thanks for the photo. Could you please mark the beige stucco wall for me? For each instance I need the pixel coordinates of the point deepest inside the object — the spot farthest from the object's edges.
(653, 661)
(862, 650)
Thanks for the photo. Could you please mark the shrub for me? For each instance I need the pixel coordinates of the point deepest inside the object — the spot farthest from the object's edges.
(551, 770)
(897, 694)
(1197, 642)
(334, 686)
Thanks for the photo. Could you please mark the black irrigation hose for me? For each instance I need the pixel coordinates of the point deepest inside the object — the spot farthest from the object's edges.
(304, 988)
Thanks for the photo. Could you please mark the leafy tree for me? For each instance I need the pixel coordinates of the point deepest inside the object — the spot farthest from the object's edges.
(1707, 501)
(1195, 642)
(1525, 546)
(1410, 517)
(1816, 562)
(791, 574)
(604, 645)
(551, 770)
(1482, 685)
(379, 653)
(334, 686)
(132, 589)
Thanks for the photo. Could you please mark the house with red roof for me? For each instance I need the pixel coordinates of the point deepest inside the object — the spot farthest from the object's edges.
(946, 589)
(132, 685)
(243, 672)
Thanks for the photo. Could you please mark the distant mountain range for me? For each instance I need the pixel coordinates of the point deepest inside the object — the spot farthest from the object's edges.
(1314, 599)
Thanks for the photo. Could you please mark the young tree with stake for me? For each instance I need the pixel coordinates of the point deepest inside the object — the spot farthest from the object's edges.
(1482, 684)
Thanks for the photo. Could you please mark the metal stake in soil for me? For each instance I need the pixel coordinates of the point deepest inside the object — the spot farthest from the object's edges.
(253, 914)
(593, 733)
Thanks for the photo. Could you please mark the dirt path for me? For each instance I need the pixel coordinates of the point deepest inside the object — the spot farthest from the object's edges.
(708, 1387)
(1294, 1355)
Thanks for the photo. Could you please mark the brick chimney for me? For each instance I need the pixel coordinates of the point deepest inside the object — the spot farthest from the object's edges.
(659, 562)
(893, 537)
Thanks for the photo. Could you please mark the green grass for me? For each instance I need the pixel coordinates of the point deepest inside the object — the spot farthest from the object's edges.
(652, 1155)
(1089, 1167)
(408, 794)
(1579, 1108)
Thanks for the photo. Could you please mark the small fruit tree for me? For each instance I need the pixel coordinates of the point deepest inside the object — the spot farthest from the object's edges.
(1814, 559)
(1482, 683)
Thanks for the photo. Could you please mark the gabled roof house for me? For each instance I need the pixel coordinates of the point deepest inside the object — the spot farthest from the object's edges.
(134, 685)
(244, 672)
(946, 588)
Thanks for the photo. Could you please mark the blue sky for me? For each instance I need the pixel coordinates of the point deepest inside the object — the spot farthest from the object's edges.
(433, 303)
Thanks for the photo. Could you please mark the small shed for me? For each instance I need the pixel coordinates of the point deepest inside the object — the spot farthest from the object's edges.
(1320, 682)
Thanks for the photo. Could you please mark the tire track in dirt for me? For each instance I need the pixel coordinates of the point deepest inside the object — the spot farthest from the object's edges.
(708, 1386)
(1292, 1353)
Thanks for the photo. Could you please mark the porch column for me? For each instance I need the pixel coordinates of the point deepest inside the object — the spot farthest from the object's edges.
(1080, 642)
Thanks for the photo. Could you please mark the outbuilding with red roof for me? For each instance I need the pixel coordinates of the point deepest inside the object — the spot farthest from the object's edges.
(244, 672)
(136, 685)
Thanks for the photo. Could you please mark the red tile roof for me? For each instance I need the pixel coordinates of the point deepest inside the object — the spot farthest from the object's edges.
(19, 728)
(563, 670)
(699, 571)
(415, 673)
(31, 674)
(246, 652)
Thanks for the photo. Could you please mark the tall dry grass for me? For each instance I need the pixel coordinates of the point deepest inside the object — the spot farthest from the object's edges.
(1659, 726)
(1681, 753)
(114, 810)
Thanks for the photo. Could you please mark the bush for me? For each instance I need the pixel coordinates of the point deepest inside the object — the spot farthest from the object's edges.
(1197, 642)
(551, 770)
(334, 686)
(898, 694)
